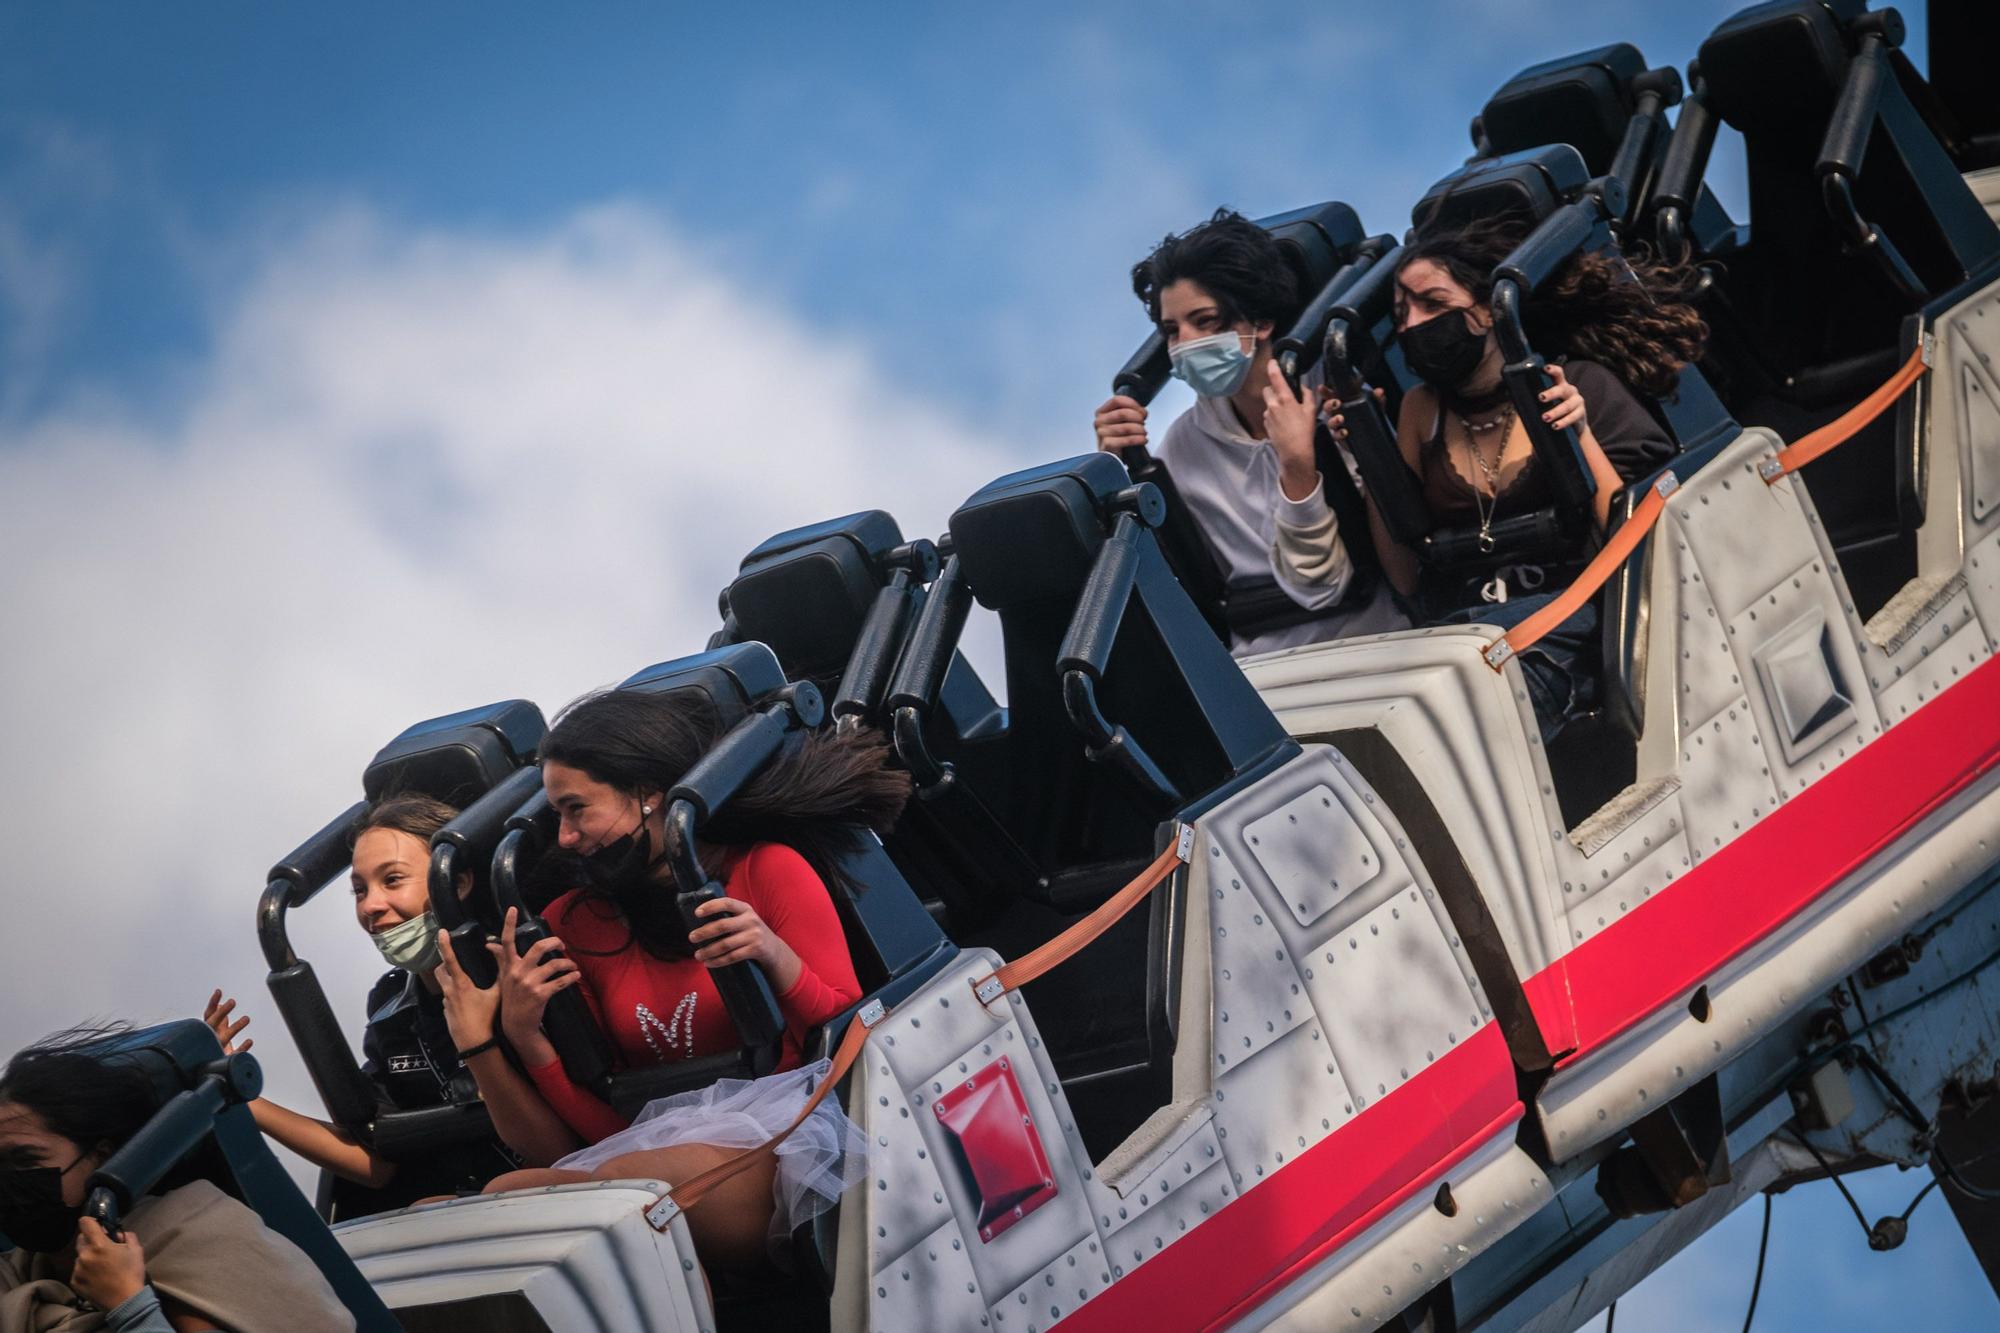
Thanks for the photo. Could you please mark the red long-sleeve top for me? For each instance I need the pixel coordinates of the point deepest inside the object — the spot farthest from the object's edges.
(660, 1010)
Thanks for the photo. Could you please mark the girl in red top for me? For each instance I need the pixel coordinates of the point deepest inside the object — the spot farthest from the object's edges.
(606, 765)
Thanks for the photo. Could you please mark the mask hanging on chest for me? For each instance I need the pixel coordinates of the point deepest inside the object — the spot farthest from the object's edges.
(1444, 350)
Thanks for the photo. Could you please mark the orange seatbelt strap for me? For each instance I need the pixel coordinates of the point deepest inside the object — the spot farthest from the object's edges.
(690, 1191)
(1849, 423)
(1594, 576)
(1066, 945)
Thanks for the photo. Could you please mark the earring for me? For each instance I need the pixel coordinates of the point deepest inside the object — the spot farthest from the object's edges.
(645, 810)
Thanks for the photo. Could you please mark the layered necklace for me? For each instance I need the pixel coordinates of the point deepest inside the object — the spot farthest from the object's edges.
(1488, 415)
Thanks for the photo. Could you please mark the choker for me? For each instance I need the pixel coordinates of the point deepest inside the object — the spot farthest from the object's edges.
(1474, 405)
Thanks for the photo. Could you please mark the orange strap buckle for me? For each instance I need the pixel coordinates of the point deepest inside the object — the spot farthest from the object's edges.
(1065, 946)
(1849, 423)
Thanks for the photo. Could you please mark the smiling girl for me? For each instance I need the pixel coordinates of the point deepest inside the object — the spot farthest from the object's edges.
(607, 764)
(1242, 456)
(421, 1047)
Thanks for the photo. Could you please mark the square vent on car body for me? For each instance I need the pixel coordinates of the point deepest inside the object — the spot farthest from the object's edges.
(994, 1132)
(1803, 686)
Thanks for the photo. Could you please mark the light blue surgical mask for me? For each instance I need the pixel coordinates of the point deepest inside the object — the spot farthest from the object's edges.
(412, 945)
(1213, 367)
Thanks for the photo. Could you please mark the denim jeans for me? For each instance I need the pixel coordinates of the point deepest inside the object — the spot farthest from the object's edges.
(1561, 668)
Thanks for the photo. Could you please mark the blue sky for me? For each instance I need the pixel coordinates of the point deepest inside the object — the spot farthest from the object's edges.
(317, 321)
(962, 186)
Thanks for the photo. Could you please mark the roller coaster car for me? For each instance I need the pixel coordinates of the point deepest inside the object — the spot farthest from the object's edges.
(1417, 1026)
(1861, 229)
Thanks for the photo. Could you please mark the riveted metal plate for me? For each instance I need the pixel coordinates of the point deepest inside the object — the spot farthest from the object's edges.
(1312, 873)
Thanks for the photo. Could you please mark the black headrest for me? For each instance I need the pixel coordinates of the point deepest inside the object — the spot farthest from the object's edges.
(1322, 236)
(1781, 63)
(1531, 184)
(731, 679)
(1033, 534)
(170, 1055)
(457, 757)
(1583, 100)
(806, 592)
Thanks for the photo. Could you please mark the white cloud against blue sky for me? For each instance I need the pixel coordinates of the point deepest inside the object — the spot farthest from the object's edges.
(360, 363)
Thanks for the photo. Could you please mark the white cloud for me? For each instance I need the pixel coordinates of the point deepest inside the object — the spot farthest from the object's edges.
(416, 470)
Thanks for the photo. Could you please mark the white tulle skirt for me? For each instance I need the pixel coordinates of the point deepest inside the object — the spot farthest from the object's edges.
(815, 1165)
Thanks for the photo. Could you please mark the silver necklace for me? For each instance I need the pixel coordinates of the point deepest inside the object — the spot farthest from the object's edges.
(1485, 500)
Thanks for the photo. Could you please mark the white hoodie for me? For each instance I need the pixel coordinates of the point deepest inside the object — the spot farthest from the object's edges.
(1230, 482)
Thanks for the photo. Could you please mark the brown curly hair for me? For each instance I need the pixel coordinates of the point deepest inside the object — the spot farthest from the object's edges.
(1632, 315)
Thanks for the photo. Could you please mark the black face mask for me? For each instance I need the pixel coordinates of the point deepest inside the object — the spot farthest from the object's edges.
(1444, 350)
(32, 1212)
(622, 863)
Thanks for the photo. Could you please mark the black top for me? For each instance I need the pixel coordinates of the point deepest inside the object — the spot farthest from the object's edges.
(408, 1053)
(1634, 442)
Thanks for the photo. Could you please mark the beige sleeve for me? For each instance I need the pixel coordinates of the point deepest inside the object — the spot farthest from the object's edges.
(200, 1243)
(1308, 557)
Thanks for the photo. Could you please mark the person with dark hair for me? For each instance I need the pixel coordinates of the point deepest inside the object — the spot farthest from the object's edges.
(66, 1105)
(1242, 456)
(1608, 330)
(421, 1047)
(607, 763)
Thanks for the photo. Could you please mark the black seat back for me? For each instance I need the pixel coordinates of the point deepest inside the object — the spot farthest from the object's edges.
(1529, 184)
(456, 757)
(807, 592)
(203, 1129)
(1584, 100)
(1604, 103)
(1961, 38)
(1028, 543)
(835, 601)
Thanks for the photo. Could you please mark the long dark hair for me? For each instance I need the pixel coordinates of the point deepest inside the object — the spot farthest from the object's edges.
(811, 797)
(94, 1098)
(1633, 317)
(1243, 267)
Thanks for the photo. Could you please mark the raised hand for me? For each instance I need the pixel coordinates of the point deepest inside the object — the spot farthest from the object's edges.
(1291, 421)
(216, 1015)
(470, 1013)
(1121, 424)
(108, 1272)
(733, 933)
(527, 981)
(1329, 406)
(1562, 402)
